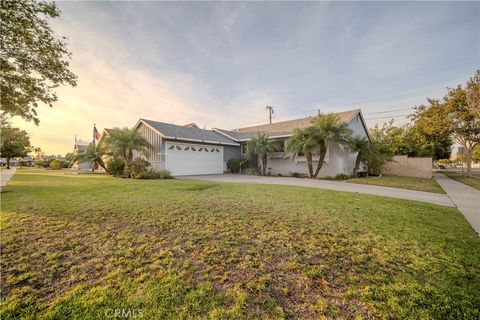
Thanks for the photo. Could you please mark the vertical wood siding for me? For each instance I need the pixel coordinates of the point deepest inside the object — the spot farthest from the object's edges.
(155, 140)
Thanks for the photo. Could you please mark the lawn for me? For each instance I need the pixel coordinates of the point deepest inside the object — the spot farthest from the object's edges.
(81, 246)
(471, 181)
(411, 183)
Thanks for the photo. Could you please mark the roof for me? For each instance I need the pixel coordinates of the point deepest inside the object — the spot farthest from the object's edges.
(291, 125)
(247, 135)
(173, 131)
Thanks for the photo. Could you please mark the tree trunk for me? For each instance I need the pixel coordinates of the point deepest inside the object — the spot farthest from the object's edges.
(264, 164)
(469, 161)
(8, 163)
(321, 158)
(102, 164)
(357, 164)
(308, 156)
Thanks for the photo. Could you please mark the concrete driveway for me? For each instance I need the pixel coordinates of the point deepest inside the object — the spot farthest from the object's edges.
(435, 198)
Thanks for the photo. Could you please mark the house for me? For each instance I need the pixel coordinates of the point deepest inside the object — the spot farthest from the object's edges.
(79, 147)
(189, 150)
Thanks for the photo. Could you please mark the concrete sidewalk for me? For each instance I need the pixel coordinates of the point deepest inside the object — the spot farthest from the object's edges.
(466, 198)
(6, 175)
(435, 198)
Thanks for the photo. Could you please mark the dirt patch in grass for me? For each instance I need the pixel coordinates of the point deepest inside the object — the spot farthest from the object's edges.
(76, 247)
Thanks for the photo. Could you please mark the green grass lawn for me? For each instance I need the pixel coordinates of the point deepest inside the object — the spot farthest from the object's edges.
(471, 181)
(411, 183)
(79, 246)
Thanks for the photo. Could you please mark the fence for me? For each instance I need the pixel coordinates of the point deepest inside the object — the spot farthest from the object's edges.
(410, 167)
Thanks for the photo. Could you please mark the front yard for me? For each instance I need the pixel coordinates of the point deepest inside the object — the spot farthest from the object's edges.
(79, 246)
(411, 183)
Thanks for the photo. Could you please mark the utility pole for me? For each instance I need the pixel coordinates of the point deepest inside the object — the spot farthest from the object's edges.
(270, 112)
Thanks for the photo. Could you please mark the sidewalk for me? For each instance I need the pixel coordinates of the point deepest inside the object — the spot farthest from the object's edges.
(466, 198)
(6, 175)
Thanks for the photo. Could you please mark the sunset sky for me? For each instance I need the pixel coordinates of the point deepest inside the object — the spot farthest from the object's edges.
(219, 64)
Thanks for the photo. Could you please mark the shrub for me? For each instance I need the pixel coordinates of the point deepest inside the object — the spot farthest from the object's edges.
(234, 165)
(342, 176)
(115, 166)
(56, 165)
(298, 174)
(135, 168)
(152, 174)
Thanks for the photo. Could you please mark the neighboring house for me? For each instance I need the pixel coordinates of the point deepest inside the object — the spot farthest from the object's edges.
(189, 150)
(79, 147)
(339, 159)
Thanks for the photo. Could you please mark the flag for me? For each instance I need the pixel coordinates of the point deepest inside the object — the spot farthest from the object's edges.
(96, 134)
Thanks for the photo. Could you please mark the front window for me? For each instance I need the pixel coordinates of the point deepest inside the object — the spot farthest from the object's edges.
(280, 145)
(244, 148)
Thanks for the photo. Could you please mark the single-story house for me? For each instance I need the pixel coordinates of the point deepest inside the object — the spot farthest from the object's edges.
(189, 150)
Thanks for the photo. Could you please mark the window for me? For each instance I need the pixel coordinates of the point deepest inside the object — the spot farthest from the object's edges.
(213, 149)
(171, 147)
(217, 150)
(201, 149)
(179, 148)
(193, 149)
(186, 148)
(205, 149)
(300, 154)
(244, 148)
(280, 145)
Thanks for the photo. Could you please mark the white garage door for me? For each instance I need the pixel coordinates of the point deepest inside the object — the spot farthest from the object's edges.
(190, 159)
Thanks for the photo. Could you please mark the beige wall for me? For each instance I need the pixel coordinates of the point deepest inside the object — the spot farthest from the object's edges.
(410, 167)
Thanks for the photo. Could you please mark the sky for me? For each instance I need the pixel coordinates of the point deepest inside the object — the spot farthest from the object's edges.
(219, 64)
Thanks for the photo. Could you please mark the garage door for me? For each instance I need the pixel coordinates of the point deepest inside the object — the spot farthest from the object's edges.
(191, 159)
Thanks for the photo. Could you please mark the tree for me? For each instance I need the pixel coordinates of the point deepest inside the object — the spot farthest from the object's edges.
(33, 61)
(14, 143)
(124, 142)
(473, 95)
(69, 157)
(261, 145)
(93, 154)
(361, 146)
(305, 141)
(377, 156)
(476, 153)
(328, 128)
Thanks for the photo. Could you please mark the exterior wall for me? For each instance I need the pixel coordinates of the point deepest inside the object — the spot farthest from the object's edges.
(230, 152)
(156, 156)
(410, 167)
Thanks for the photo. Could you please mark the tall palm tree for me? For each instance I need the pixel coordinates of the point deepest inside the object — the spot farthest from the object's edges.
(262, 146)
(92, 154)
(360, 145)
(123, 142)
(329, 129)
(305, 141)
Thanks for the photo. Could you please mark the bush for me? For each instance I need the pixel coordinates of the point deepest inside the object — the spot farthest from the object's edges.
(298, 174)
(342, 176)
(56, 165)
(115, 166)
(234, 165)
(136, 168)
(152, 174)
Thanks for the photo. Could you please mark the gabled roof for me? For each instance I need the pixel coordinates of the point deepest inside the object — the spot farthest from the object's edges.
(291, 125)
(176, 132)
(248, 135)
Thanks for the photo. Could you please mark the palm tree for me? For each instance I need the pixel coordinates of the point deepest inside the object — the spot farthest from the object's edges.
(123, 142)
(261, 145)
(306, 142)
(92, 154)
(329, 129)
(360, 145)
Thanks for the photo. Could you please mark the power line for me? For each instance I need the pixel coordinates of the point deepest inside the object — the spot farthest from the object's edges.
(403, 115)
(394, 110)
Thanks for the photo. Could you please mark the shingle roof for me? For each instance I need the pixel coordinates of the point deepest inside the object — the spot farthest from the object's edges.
(290, 125)
(177, 132)
(247, 135)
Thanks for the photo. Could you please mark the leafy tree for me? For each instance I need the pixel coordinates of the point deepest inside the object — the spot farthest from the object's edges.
(473, 95)
(14, 143)
(69, 157)
(124, 142)
(376, 156)
(261, 145)
(93, 154)
(33, 61)
(476, 153)
(328, 128)
(361, 146)
(305, 141)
